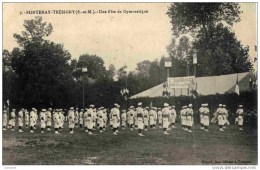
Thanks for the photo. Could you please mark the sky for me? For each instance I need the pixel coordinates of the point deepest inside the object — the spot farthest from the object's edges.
(119, 38)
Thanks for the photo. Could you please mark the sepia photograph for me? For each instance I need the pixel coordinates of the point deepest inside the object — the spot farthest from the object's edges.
(149, 83)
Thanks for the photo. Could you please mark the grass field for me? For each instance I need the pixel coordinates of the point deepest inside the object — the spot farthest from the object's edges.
(178, 148)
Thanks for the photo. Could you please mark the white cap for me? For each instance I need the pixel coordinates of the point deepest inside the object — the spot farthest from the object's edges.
(206, 104)
(166, 104)
(220, 105)
(139, 104)
(240, 105)
(190, 105)
(91, 105)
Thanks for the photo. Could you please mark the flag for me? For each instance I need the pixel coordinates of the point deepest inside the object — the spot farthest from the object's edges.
(84, 69)
(195, 91)
(251, 83)
(237, 86)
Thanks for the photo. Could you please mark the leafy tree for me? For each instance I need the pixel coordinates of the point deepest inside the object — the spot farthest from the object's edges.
(43, 74)
(8, 76)
(219, 52)
(143, 68)
(35, 31)
(181, 55)
(122, 73)
(111, 72)
(193, 17)
(94, 64)
(224, 54)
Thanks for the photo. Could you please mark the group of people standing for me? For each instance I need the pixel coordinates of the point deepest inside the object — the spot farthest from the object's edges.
(139, 118)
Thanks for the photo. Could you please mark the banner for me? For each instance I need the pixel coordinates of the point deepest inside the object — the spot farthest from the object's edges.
(180, 82)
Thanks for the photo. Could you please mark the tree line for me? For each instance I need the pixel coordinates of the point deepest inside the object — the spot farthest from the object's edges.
(41, 73)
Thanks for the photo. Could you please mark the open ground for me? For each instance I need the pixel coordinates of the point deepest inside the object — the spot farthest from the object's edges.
(231, 147)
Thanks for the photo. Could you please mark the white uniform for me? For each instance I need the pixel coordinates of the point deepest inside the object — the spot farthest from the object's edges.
(110, 119)
(135, 119)
(131, 117)
(123, 119)
(201, 111)
(165, 117)
(146, 118)
(139, 115)
(100, 119)
(71, 119)
(4, 120)
(35, 118)
(105, 118)
(20, 118)
(88, 117)
(81, 118)
(151, 118)
(27, 118)
(12, 119)
(56, 120)
(240, 116)
(183, 117)
(61, 120)
(220, 117)
(159, 113)
(189, 117)
(115, 117)
(127, 117)
(173, 116)
(76, 117)
(32, 118)
(48, 113)
(43, 119)
(226, 122)
(85, 116)
(94, 118)
(206, 116)
(224, 116)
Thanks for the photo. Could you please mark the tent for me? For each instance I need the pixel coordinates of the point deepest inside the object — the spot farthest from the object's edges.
(205, 86)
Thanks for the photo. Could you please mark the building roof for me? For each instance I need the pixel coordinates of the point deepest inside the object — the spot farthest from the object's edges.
(205, 86)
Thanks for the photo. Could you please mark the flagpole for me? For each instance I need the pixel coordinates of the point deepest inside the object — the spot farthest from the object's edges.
(195, 66)
(237, 90)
